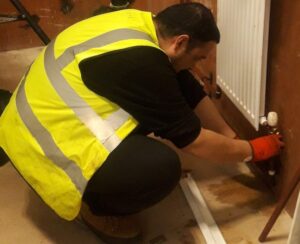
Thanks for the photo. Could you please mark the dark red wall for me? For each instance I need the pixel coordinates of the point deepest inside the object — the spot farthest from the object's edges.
(17, 35)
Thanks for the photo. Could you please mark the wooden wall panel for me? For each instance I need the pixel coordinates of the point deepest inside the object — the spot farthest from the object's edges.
(156, 6)
(211, 4)
(284, 86)
(153, 6)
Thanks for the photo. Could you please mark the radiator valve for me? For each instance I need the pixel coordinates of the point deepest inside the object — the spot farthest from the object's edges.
(271, 121)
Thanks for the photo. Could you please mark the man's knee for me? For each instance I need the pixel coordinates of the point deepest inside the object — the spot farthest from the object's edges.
(160, 165)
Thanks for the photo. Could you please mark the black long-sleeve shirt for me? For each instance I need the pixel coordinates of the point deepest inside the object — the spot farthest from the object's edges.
(142, 81)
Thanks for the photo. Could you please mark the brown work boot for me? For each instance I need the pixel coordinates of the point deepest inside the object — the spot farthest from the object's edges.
(112, 229)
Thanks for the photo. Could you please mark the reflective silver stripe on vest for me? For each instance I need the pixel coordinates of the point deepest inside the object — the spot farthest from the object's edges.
(117, 119)
(104, 130)
(46, 141)
(101, 129)
(99, 41)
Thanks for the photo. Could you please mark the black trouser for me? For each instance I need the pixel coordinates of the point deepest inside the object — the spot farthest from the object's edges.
(137, 174)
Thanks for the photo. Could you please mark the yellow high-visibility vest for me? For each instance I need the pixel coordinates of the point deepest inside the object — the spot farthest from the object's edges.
(55, 130)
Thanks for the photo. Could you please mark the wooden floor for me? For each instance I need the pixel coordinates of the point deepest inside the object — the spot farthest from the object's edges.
(240, 203)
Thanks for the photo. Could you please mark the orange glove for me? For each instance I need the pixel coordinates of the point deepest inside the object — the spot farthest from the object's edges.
(266, 147)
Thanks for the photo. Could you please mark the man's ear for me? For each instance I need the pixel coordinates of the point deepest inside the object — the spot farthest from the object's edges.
(174, 46)
(181, 43)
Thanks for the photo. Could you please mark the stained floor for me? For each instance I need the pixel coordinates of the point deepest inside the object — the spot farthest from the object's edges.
(240, 203)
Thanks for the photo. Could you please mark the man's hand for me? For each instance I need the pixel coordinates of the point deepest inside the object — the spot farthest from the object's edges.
(266, 147)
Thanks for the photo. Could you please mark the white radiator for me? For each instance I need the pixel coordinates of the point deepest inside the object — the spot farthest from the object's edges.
(242, 54)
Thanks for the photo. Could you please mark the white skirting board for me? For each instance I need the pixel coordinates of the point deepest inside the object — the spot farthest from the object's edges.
(205, 220)
(294, 236)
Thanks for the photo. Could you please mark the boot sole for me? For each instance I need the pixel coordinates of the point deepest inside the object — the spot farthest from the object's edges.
(113, 240)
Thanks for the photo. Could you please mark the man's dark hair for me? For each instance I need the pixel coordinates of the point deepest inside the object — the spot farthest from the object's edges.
(192, 19)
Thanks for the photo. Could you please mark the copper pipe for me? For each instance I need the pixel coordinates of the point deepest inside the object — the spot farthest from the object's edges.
(280, 206)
